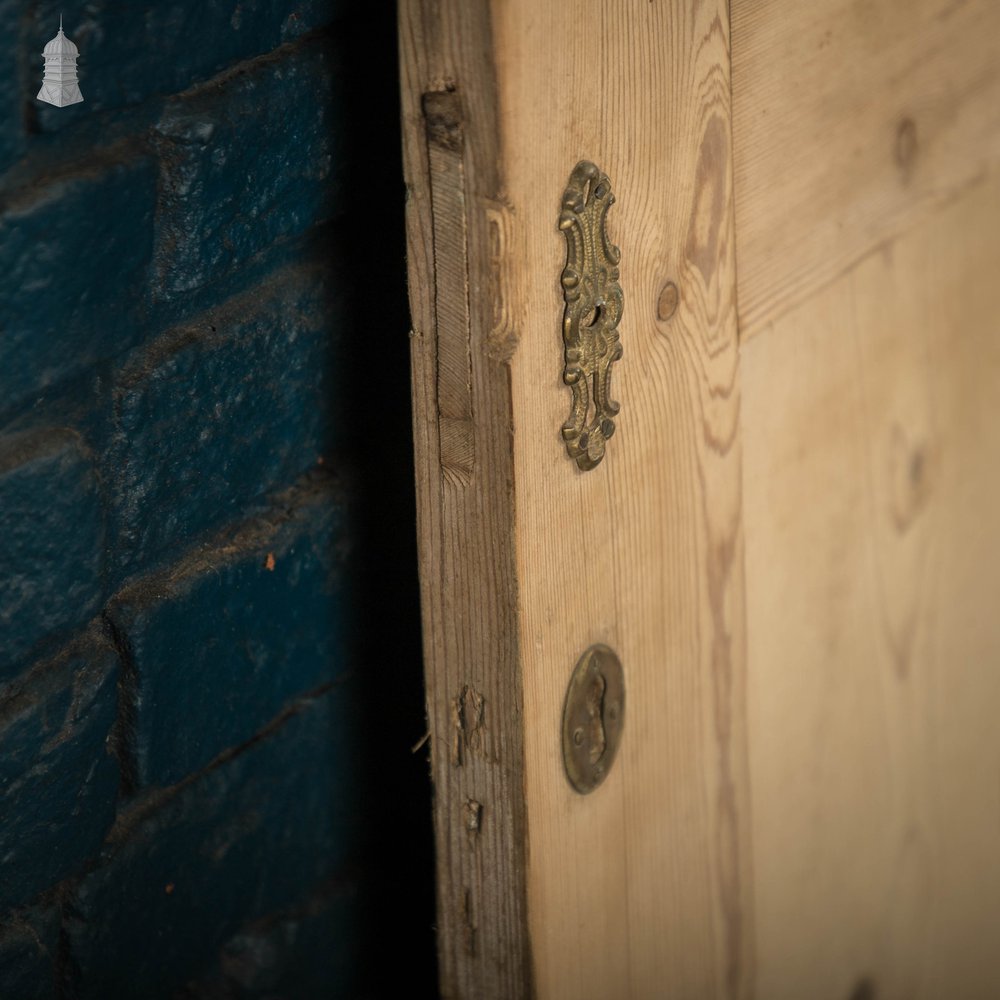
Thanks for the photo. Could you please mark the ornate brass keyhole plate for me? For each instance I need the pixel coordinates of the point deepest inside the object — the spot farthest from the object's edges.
(593, 716)
(594, 304)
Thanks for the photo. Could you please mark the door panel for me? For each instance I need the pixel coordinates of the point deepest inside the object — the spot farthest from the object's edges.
(868, 212)
(852, 119)
(871, 484)
(788, 542)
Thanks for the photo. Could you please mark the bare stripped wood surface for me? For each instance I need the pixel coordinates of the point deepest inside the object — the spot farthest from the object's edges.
(850, 120)
(642, 888)
(872, 486)
(862, 467)
(464, 466)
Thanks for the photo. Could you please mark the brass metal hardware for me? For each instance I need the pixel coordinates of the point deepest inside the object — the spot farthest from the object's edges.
(593, 716)
(594, 304)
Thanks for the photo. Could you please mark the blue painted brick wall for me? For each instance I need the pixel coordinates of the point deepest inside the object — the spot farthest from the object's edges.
(53, 578)
(74, 253)
(58, 771)
(29, 942)
(130, 53)
(278, 956)
(210, 673)
(237, 403)
(200, 863)
(221, 640)
(228, 191)
(12, 133)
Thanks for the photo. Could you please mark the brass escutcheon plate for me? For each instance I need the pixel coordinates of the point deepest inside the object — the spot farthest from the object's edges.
(593, 716)
(594, 304)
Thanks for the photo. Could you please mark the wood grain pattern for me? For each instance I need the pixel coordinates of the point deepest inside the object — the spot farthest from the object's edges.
(851, 120)
(852, 442)
(641, 888)
(872, 484)
(464, 464)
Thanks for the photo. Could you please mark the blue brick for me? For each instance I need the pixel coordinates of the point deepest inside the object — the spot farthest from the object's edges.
(12, 95)
(51, 523)
(130, 53)
(229, 189)
(244, 839)
(58, 775)
(74, 255)
(29, 941)
(210, 419)
(314, 950)
(220, 643)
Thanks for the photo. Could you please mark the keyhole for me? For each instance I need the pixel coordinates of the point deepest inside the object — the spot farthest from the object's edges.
(592, 717)
(595, 718)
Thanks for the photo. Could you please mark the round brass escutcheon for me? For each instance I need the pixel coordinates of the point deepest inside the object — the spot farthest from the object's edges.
(593, 716)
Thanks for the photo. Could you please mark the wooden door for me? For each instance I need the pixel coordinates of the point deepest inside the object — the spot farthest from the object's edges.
(790, 542)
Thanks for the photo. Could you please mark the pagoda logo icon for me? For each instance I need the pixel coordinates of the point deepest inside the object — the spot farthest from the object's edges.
(59, 85)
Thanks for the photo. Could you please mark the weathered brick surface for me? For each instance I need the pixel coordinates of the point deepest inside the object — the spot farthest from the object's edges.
(213, 414)
(308, 951)
(205, 718)
(227, 190)
(12, 137)
(74, 255)
(221, 641)
(29, 940)
(58, 775)
(244, 839)
(52, 528)
(131, 53)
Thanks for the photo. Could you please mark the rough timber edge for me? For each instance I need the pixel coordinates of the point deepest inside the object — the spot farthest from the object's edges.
(466, 523)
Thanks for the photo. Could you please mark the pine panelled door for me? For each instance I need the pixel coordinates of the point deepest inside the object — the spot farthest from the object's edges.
(710, 628)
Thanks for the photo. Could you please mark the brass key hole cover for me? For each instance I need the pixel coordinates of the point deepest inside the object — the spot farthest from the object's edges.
(593, 716)
(593, 308)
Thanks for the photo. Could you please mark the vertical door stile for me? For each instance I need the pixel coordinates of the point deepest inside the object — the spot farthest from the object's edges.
(640, 887)
(464, 456)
